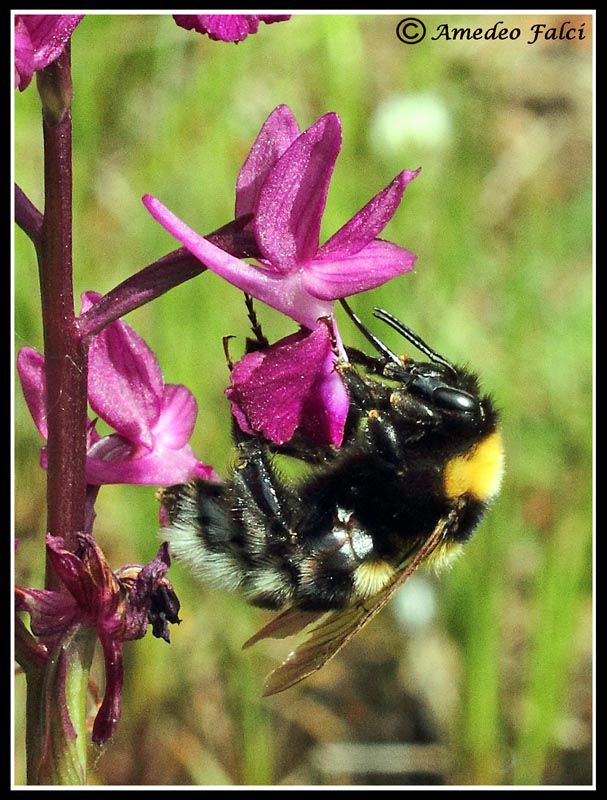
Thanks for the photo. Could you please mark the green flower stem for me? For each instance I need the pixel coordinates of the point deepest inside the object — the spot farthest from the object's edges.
(60, 717)
(34, 677)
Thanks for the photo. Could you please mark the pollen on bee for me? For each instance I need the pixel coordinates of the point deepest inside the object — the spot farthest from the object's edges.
(478, 472)
(371, 576)
(444, 556)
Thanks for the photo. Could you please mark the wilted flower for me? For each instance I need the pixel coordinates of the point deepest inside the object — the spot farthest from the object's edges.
(227, 27)
(153, 420)
(40, 40)
(118, 605)
(283, 184)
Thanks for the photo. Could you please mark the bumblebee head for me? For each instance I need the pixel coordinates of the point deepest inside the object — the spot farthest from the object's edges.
(448, 392)
(452, 397)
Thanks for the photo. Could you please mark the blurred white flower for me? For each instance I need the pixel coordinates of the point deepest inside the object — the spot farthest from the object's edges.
(415, 604)
(418, 121)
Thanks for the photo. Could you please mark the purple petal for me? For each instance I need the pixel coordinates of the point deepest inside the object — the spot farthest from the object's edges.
(30, 366)
(378, 262)
(370, 221)
(241, 377)
(89, 507)
(277, 390)
(325, 412)
(177, 417)
(292, 199)
(125, 383)
(28, 650)
(270, 18)
(109, 449)
(87, 576)
(277, 133)
(24, 55)
(50, 612)
(48, 34)
(282, 292)
(269, 388)
(91, 432)
(226, 27)
(149, 576)
(160, 467)
(220, 27)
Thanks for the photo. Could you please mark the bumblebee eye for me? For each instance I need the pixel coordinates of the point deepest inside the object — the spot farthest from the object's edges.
(454, 399)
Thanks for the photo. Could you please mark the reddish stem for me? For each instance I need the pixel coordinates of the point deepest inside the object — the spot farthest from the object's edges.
(65, 352)
(166, 273)
(27, 216)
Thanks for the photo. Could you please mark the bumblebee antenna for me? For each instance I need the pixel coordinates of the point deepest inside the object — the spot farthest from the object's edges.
(377, 344)
(412, 337)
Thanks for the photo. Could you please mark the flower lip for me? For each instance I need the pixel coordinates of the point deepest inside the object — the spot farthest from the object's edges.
(291, 385)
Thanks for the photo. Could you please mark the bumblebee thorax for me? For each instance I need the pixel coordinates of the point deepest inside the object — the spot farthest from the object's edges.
(477, 472)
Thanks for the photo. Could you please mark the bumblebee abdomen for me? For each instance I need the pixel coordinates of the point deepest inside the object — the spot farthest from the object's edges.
(225, 546)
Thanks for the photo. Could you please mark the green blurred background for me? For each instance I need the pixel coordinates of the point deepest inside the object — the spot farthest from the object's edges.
(484, 674)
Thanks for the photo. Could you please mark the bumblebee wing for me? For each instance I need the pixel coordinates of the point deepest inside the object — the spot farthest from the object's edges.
(286, 624)
(332, 633)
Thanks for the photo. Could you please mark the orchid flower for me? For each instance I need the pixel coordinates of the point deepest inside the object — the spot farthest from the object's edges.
(283, 184)
(153, 421)
(118, 605)
(39, 40)
(227, 27)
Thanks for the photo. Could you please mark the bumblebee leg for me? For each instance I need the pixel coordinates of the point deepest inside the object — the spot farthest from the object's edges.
(264, 508)
(304, 450)
(373, 365)
(365, 394)
(257, 475)
(238, 534)
(384, 438)
(261, 342)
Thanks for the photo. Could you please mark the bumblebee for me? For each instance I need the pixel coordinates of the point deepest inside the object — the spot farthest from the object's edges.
(420, 463)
